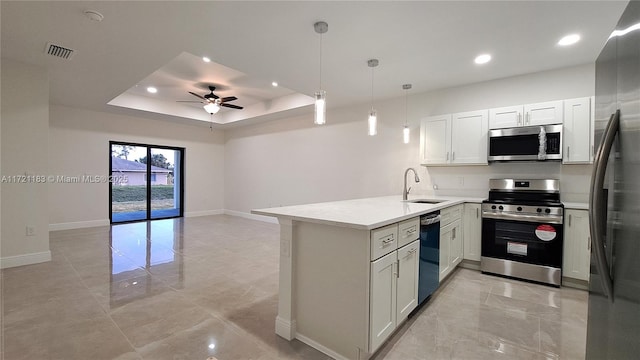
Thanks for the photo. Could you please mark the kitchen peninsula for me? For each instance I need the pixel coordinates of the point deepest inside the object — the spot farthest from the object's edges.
(341, 288)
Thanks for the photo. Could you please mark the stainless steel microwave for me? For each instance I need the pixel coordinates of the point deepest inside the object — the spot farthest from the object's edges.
(529, 143)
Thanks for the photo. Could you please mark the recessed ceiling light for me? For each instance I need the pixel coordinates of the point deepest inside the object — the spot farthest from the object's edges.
(206, 59)
(482, 59)
(152, 90)
(274, 84)
(569, 40)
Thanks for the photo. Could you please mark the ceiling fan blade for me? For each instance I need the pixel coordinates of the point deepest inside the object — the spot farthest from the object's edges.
(189, 101)
(229, 98)
(199, 96)
(232, 106)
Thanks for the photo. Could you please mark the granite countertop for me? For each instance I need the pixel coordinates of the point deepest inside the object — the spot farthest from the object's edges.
(366, 214)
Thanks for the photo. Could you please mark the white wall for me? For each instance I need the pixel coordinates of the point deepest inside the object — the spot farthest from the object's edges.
(291, 161)
(79, 145)
(24, 152)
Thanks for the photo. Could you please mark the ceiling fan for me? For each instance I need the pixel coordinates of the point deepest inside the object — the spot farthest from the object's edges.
(213, 102)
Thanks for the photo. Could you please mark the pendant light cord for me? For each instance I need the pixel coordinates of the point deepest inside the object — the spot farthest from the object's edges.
(320, 61)
(372, 88)
(406, 106)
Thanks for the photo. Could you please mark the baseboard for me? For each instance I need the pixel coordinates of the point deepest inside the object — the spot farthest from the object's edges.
(79, 225)
(285, 329)
(204, 213)
(26, 259)
(575, 283)
(470, 264)
(319, 347)
(249, 216)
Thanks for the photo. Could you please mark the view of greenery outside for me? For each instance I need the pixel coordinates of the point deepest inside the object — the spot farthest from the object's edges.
(133, 197)
(127, 198)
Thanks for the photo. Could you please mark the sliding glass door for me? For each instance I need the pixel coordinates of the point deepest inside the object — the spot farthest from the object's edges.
(147, 182)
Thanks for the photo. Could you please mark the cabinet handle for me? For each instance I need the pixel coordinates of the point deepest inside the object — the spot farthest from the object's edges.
(568, 152)
(477, 213)
(447, 156)
(454, 233)
(453, 156)
(387, 241)
(569, 220)
(397, 268)
(589, 243)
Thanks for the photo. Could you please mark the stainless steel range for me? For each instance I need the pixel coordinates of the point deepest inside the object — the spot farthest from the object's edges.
(522, 232)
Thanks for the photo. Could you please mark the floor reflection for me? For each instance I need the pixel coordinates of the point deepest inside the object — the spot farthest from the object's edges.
(139, 249)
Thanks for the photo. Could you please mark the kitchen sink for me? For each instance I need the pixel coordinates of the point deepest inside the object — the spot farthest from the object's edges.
(426, 201)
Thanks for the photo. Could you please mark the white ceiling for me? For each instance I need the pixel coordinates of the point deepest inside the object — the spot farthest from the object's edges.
(430, 44)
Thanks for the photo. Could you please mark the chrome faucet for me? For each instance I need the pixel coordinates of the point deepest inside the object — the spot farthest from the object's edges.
(405, 191)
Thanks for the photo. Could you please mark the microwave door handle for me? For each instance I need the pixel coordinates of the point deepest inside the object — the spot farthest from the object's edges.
(597, 219)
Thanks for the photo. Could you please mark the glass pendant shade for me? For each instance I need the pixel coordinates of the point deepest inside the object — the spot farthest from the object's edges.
(212, 108)
(373, 123)
(320, 108)
(406, 134)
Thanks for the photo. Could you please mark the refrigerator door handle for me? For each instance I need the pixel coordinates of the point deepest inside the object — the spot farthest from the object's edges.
(597, 218)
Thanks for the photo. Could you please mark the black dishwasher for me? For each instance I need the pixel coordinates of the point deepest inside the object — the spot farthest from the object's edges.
(428, 279)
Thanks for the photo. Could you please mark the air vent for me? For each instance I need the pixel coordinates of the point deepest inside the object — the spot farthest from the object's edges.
(59, 51)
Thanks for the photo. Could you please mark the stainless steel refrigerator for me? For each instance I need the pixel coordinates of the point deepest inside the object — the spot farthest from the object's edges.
(613, 328)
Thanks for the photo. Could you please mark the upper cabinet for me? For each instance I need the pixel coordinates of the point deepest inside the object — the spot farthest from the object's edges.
(457, 139)
(578, 129)
(545, 113)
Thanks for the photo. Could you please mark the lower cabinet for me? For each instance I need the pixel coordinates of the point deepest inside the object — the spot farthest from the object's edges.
(451, 239)
(472, 225)
(393, 291)
(577, 245)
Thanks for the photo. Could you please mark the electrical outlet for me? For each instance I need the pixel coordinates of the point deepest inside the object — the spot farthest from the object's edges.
(31, 231)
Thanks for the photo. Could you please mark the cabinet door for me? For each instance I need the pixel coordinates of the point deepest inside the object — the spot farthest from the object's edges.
(382, 311)
(445, 245)
(455, 251)
(472, 224)
(577, 245)
(435, 140)
(469, 137)
(577, 131)
(505, 117)
(408, 262)
(545, 113)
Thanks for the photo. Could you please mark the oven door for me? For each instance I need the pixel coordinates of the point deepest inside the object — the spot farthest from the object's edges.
(531, 242)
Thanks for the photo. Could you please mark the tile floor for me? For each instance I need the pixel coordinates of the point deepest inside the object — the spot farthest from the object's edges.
(206, 287)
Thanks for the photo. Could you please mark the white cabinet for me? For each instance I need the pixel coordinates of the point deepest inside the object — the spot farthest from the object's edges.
(451, 240)
(577, 245)
(383, 299)
(544, 113)
(458, 139)
(394, 279)
(577, 131)
(469, 137)
(472, 225)
(435, 140)
(407, 287)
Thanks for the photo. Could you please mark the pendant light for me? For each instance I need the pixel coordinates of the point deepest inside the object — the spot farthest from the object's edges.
(373, 115)
(406, 132)
(320, 27)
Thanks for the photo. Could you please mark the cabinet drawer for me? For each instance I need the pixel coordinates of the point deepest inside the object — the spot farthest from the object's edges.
(384, 240)
(450, 214)
(408, 231)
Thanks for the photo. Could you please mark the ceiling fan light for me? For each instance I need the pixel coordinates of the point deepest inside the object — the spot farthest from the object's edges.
(212, 108)
(320, 108)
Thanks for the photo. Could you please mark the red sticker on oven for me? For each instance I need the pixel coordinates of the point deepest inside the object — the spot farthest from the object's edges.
(546, 232)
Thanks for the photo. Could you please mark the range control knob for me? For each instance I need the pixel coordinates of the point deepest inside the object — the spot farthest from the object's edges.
(519, 208)
(501, 207)
(539, 210)
(547, 210)
(493, 207)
